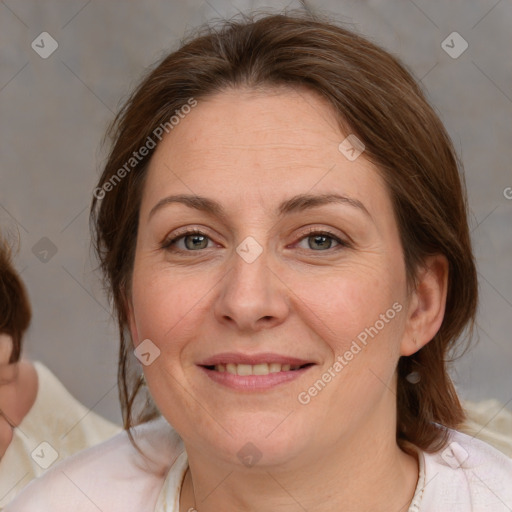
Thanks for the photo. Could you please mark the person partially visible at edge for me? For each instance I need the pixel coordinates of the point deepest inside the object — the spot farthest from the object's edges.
(34, 406)
(292, 266)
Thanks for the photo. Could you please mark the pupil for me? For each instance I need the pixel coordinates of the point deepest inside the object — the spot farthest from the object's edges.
(197, 242)
(321, 241)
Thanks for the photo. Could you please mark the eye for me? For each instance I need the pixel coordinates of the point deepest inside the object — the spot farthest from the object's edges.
(196, 240)
(193, 240)
(320, 241)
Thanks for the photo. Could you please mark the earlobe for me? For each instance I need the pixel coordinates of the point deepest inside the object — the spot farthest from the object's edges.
(427, 305)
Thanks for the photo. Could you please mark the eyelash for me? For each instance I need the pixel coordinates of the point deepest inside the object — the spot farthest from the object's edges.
(168, 243)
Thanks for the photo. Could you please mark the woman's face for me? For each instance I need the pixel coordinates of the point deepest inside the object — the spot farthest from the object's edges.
(294, 261)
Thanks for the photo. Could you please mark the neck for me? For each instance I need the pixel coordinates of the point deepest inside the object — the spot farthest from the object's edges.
(363, 472)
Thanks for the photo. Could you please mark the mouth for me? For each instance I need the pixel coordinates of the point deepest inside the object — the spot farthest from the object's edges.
(255, 369)
(253, 372)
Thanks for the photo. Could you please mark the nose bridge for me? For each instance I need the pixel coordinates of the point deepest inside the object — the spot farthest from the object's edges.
(251, 296)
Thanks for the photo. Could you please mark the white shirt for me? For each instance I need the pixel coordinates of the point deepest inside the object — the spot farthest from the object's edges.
(56, 426)
(491, 422)
(467, 476)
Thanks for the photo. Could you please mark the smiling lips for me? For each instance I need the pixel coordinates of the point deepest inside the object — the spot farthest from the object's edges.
(253, 372)
(255, 369)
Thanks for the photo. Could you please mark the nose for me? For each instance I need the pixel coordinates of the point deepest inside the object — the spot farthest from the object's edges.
(252, 297)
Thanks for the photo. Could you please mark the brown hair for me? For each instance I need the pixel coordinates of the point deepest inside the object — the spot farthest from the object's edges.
(15, 310)
(376, 99)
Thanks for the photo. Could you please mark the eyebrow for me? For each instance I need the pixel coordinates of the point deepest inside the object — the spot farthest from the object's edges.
(296, 203)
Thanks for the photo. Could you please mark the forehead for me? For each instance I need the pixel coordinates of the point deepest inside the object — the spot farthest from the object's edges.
(264, 144)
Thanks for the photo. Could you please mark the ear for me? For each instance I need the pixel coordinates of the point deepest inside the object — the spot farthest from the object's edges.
(427, 305)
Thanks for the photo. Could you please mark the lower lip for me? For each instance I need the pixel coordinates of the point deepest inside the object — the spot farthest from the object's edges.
(253, 382)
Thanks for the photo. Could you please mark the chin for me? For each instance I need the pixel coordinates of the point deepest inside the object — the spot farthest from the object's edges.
(258, 440)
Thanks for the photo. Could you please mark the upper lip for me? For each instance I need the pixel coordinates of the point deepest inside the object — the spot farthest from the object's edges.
(252, 359)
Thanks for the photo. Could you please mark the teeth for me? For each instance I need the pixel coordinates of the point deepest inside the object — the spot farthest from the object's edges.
(260, 369)
(256, 369)
(274, 367)
(244, 369)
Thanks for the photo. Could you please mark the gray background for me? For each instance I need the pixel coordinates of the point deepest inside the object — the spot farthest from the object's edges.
(53, 113)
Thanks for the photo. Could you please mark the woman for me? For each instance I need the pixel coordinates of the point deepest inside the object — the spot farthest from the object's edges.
(282, 226)
(40, 422)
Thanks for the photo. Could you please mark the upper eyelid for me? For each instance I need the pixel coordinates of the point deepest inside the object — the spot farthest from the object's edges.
(174, 237)
(340, 240)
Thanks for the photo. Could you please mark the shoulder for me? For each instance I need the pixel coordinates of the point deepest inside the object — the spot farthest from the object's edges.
(111, 476)
(58, 415)
(467, 474)
(55, 427)
(491, 422)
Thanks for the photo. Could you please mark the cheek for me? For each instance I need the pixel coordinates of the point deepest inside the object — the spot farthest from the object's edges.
(165, 304)
(362, 321)
(349, 301)
(359, 315)
(167, 310)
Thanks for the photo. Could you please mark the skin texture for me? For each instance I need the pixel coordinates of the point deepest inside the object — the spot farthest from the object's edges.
(250, 151)
(18, 392)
